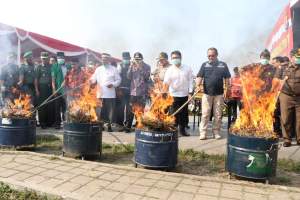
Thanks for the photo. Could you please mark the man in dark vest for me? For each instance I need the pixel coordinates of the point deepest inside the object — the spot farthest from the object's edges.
(123, 92)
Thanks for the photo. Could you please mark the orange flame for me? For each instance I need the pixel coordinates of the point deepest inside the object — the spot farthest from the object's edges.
(19, 107)
(157, 113)
(83, 102)
(259, 102)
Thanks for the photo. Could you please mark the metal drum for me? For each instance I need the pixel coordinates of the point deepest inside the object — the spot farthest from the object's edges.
(155, 149)
(82, 139)
(17, 132)
(252, 157)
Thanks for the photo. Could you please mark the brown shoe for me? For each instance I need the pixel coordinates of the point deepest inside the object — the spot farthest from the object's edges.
(298, 143)
(287, 144)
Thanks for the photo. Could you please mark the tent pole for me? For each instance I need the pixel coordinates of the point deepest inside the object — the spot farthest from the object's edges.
(19, 51)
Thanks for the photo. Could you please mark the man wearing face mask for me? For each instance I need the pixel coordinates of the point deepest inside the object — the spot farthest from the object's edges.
(139, 76)
(27, 79)
(107, 77)
(290, 99)
(214, 74)
(9, 78)
(178, 80)
(268, 71)
(123, 92)
(44, 82)
(58, 73)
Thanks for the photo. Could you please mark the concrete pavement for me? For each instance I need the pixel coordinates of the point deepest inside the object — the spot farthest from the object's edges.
(76, 179)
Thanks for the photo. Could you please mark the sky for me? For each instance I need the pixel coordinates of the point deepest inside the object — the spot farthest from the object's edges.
(237, 28)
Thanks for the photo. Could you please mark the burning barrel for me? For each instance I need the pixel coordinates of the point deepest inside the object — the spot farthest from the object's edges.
(17, 132)
(156, 149)
(251, 157)
(82, 139)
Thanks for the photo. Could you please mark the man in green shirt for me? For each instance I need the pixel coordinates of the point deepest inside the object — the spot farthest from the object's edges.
(58, 76)
(27, 79)
(44, 82)
(9, 77)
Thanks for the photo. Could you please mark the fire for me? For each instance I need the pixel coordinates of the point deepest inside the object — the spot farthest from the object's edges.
(82, 102)
(20, 107)
(156, 116)
(259, 102)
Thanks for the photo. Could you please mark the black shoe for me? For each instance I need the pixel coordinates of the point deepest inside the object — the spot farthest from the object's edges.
(109, 129)
(57, 127)
(43, 127)
(287, 144)
(184, 134)
(187, 127)
(127, 130)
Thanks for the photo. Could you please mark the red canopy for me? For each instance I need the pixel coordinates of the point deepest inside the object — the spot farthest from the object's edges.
(20, 41)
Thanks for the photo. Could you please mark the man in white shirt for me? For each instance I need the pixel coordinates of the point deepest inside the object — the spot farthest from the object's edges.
(107, 77)
(179, 81)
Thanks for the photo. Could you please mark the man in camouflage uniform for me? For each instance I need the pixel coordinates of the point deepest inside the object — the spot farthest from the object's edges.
(9, 78)
(28, 77)
(44, 82)
(290, 100)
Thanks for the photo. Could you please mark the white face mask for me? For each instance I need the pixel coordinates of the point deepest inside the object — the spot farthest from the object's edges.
(264, 61)
(60, 61)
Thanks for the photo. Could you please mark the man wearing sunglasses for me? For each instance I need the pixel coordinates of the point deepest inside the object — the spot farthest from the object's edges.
(213, 74)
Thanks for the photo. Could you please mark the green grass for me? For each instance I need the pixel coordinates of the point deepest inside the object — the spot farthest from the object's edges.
(48, 140)
(289, 165)
(7, 193)
(199, 162)
(118, 148)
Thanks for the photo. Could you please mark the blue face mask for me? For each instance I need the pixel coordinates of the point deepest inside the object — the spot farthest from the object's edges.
(126, 62)
(297, 61)
(176, 61)
(264, 61)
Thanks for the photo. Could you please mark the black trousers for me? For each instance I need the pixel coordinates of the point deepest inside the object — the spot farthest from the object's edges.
(139, 101)
(46, 112)
(181, 118)
(122, 109)
(60, 109)
(277, 121)
(107, 110)
(233, 104)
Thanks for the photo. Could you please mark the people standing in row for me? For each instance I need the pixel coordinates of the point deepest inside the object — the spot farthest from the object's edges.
(214, 74)
(107, 77)
(123, 92)
(44, 90)
(139, 76)
(178, 81)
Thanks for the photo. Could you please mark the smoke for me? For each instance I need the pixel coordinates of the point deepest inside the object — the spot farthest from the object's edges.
(6, 46)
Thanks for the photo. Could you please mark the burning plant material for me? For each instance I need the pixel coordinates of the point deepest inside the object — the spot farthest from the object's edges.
(260, 94)
(83, 102)
(20, 107)
(156, 117)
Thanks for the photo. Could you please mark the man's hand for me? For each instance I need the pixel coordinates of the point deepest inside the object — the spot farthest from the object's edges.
(110, 86)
